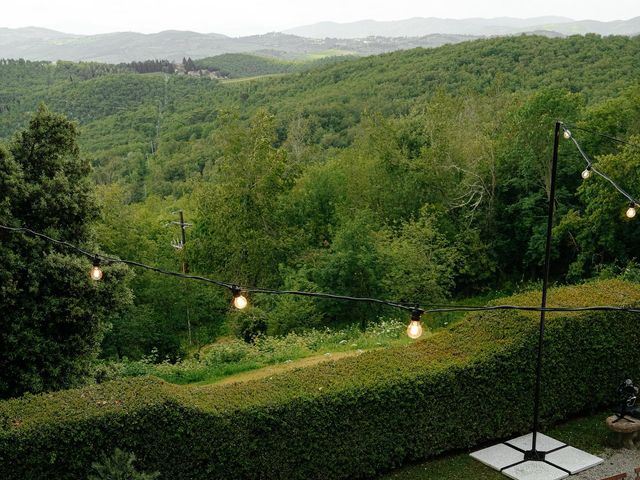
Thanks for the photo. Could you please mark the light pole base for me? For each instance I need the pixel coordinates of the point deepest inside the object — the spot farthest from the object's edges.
(552, 459)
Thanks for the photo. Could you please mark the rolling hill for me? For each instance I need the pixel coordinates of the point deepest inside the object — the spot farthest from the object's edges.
(42, 44)
(366, 37)
(416, 27)
(126, 114)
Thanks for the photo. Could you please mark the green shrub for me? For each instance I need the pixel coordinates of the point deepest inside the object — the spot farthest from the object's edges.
(119, 466)
(461, 387)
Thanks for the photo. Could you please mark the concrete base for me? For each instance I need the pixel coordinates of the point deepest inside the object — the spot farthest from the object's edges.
(559, 462)
(535, 471)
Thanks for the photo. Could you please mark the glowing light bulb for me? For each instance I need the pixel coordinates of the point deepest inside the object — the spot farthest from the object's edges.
(631, 211)
(586, 173)
(96, 273)
(414, 330)
(240, 302)
(567, 134)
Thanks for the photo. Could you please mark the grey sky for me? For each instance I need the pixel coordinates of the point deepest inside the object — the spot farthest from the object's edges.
(245, 17)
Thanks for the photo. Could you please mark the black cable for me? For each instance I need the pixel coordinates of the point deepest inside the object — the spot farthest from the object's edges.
(230, 286)
(107, 259)
(403, 306)
(435, 308)
(605, 308)
(584, 155)
(603, 135)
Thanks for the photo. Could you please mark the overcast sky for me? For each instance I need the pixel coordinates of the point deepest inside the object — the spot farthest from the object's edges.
(245, 17)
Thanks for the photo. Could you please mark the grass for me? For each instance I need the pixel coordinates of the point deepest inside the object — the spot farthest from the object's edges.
(229, 357)
(588, 434)
(333, 52)
(250, 79)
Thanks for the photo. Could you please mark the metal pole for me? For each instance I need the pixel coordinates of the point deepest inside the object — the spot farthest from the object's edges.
(185, 268)
(184, 237)
(534, 454)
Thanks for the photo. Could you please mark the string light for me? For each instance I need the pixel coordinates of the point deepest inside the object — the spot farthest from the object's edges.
(96, 272)
(633, 204)
(416, 312)
(239, 300)
(414, 330)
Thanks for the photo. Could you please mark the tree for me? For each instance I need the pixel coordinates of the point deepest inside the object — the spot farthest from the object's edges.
(51, 316)
(240, 232)
(523, 183)
(419, 259)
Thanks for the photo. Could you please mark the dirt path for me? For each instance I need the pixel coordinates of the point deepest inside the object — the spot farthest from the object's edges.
(284, 367)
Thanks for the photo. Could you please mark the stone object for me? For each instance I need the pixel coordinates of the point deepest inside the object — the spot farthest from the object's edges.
(627, 429)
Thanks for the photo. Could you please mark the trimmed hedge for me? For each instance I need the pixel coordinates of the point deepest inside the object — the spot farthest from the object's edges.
(352, 418)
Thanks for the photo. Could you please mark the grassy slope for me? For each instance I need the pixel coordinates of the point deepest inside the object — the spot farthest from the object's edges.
(231, 359)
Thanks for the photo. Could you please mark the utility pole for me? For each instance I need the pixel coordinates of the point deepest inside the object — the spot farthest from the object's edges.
(179, 246)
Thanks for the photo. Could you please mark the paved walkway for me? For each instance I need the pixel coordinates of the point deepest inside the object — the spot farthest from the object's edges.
(615, 461)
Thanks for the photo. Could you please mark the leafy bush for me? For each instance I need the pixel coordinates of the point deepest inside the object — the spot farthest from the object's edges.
(458, 388)
(119, 467)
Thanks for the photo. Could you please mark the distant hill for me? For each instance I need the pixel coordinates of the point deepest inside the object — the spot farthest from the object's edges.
(333, 94)
(127, 116)
(326, 39)
(415, 27)
(41, 44)
(617, 27)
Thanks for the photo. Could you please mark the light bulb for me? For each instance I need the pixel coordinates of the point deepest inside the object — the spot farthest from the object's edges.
(631, 211)
(586, 173)
(566, 134)
(240, 301)
(414, 330)
(96, 273)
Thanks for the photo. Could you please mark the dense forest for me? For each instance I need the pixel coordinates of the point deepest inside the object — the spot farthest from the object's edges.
(418, 176)
(241, 65)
